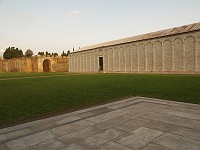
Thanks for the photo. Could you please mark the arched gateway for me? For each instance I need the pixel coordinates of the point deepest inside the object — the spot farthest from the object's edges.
(46, 65)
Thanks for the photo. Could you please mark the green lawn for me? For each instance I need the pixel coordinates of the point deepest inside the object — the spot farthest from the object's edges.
(34, 97)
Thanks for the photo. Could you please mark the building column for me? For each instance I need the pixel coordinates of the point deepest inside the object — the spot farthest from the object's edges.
(94, 57)
(184, 55)
(131, 58)
(125, 61)
(154, 49)
(90, 62)
(145, 55)
(196, 54)
(81, 62)
(108, 68)
(138, 58)
(163, 57)
(118, 51)
(172, 56)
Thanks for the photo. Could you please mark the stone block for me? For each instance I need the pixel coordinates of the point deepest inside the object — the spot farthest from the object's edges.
(79, 135)
(85, 114)
(68, 119)
(75, 146)
(176, 142)
(111, 123)
(4, 147)
(124, 104)
(30, 140)
(186, 132)
(49, 145)
(139, 137)
(102, 138)
(108, 116)
(42, 126)
(17, 133)
(100, 110)
(128, 126)
(112, 146)
(3, 138)
(69, 128)
(153, 146)
(174, 120)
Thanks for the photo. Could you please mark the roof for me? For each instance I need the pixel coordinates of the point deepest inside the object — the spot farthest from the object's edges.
(162, 33)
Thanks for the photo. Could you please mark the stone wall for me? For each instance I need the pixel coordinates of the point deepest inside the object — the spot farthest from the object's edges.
(178, 53)
(34, 64)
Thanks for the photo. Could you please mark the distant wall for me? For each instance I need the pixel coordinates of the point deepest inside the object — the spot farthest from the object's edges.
(34, 64)
(178, 53)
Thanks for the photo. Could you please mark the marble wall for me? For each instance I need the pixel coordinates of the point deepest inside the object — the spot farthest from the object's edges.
(170, 54)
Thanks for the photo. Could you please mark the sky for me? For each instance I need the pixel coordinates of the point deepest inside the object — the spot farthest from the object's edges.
(57, 25)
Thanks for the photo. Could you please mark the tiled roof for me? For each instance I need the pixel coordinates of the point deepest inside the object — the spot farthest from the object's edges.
(167, 32)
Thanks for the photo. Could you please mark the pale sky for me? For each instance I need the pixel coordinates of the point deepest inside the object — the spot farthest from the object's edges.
(57, 25)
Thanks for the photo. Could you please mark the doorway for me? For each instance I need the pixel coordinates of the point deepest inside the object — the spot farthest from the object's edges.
(46, 65)
(100, 63)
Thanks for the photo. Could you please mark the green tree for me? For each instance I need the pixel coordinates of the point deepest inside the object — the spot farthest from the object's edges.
(55, 54)
(63, 54)
(29, 53)
(68, 52)
(7, 54)
(12, 52)
(41, 53)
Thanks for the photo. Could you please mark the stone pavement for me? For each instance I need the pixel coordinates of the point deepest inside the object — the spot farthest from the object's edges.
(136, 123)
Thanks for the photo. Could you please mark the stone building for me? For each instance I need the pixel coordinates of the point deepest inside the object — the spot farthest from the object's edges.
(175, 50)
(35, 64)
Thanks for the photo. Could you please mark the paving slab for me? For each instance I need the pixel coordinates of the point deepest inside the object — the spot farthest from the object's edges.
(110, 115)
(49, 145)
(102, 138)
(79, 135)
(3, 147)
(169, 128)
(176, 142)
(134, 123)
(174, 120)
(75, 146)
(30, 140)
(112, 146)
(69, 128)
(139, 137)
(3, 138)
(112, 123)
(153, 146)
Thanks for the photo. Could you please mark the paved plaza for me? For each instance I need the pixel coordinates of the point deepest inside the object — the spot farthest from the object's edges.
(136, 123)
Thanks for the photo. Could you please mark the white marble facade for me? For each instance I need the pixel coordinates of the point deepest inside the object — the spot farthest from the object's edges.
(176, 53)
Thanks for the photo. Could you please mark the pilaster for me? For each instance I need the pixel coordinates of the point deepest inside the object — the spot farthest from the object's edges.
(154, 57)
(172, 56)
(145, 55)
(196, 54)
(163, 57)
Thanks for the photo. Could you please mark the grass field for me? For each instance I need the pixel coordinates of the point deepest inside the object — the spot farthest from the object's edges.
(29, 98)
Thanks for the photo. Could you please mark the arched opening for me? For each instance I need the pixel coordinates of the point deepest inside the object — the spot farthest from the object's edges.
(46, 65)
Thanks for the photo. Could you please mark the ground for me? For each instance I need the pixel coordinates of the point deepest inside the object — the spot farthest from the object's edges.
(135, 123)
(29, 96)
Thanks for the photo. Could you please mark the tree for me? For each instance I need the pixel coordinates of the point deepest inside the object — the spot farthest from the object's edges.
(41, 53)
(7, 54)
(29, 53)
(63, 54)
(55, 54)
(68, 52)
(12, 52)
(20, 53)
(47, 53)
